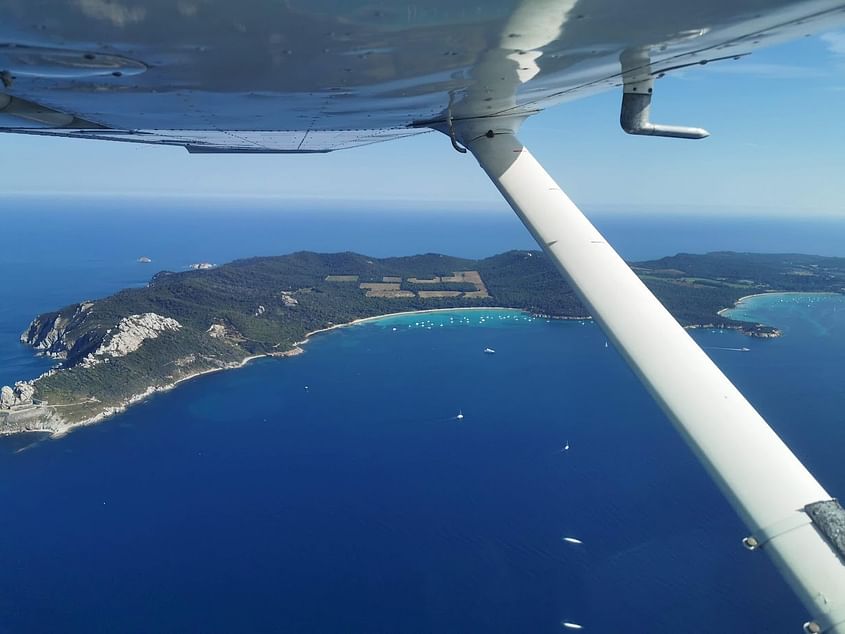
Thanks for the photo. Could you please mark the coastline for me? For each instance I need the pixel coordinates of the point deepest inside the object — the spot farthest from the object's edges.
(295, 350)
(137, 398)
(364, 320)
(767, 293)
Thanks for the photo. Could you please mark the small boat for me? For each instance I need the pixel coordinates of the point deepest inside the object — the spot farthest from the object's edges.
(571, 626)
(572, 540)
(565, 447)
(489, 351)
(460, 415)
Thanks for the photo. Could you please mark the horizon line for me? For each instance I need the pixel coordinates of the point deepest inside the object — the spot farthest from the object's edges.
(451, 205)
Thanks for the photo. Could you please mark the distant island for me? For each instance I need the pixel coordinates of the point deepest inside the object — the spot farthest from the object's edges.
(115, 351)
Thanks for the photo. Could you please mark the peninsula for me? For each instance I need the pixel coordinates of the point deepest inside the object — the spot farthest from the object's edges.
(115, 351)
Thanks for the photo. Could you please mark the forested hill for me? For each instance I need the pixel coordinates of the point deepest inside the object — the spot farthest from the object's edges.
(694, 287)
(115, 349)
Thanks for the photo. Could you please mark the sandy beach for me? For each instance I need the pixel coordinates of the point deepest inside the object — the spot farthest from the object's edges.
(364, 320)
(766, 294)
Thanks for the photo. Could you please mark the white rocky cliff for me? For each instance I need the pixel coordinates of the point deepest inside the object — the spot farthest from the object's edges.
(18, 412)
(56, 335)
(129, 335)
(21, 394)
(48, 333)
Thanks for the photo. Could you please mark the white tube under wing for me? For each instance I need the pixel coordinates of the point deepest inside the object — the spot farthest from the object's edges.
(761, 477)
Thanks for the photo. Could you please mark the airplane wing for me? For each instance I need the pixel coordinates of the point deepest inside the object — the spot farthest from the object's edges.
(320, 75)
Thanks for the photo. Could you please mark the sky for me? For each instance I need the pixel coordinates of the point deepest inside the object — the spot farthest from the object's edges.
(777, 148)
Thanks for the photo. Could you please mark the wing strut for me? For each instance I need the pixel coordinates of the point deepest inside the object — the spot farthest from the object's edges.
(766, 484)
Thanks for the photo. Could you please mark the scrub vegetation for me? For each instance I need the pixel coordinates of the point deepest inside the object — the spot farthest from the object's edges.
(265, 306)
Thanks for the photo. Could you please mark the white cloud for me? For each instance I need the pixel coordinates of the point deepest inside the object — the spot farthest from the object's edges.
(835, 41)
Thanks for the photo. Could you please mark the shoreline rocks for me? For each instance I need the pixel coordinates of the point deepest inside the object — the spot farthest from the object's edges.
(21, 394)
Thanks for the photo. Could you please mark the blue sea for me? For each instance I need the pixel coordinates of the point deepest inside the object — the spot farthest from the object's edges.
(338, 491)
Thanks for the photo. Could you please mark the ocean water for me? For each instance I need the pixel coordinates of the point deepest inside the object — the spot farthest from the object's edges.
(337, 491)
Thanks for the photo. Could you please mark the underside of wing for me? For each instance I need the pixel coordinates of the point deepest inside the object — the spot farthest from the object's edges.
(318, 75)
(235, 141)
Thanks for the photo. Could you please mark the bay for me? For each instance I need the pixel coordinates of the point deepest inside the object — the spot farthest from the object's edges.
(337, 491)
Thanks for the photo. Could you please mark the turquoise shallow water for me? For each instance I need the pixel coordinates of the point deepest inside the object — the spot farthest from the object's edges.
(808, 311)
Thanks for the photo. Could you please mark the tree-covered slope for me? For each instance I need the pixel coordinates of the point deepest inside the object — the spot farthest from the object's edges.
(182, 324)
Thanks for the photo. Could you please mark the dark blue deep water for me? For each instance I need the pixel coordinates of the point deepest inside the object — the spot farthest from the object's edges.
(337, 492)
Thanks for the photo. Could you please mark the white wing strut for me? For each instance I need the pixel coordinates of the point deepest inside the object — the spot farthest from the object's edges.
(764, 481)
